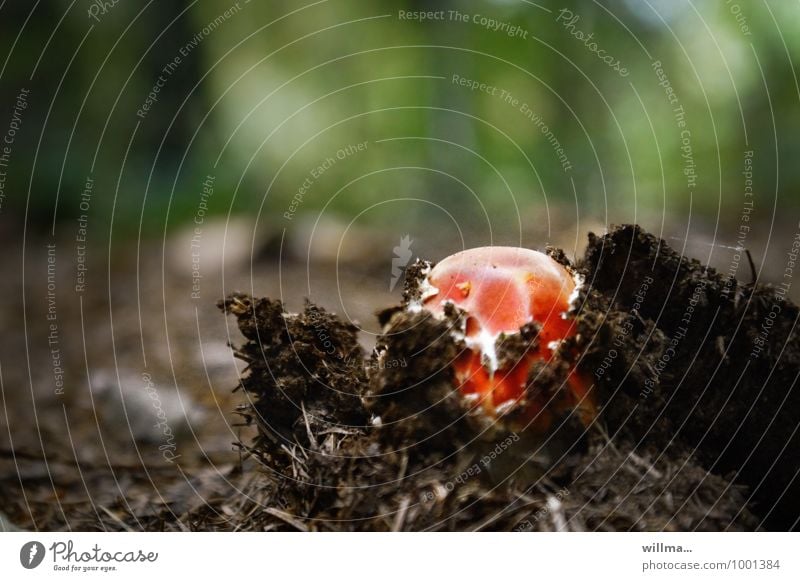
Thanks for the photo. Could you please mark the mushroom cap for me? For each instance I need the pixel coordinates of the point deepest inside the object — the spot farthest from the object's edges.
(502, 288)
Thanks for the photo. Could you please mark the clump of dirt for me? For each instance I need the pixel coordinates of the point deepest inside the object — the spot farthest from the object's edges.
(701, 364)
(306, 372)
(697, 419)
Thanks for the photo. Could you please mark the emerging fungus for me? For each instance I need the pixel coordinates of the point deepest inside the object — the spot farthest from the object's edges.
(502, 292)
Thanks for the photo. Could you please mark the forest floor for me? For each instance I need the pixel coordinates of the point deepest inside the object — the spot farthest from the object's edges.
(144, 431)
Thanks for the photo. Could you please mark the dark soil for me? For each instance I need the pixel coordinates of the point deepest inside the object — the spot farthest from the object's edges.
(706, 369)
(694, 375)
(695, 430)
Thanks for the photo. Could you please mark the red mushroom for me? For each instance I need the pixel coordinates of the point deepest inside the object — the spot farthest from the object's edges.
(501, 289)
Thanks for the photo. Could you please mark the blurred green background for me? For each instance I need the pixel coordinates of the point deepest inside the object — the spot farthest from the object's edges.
(267, 91)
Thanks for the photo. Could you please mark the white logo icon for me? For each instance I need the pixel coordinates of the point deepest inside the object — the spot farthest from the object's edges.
(402, 256)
